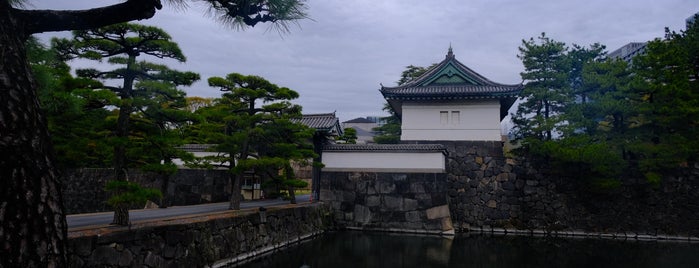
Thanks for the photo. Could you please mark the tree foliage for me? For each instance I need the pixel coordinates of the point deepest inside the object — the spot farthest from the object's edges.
(77, 118)
(666, 81)
(251, 124)
(38, 225)
(390, 131)
(546, 90)
(349, 136)
(617, 119)
(148, 93)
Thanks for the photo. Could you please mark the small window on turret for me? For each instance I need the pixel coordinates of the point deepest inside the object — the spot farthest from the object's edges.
(455, 117)
(444, 117)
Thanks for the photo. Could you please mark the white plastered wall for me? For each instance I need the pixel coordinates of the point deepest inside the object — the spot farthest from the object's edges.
(343, 161)
(477, 120)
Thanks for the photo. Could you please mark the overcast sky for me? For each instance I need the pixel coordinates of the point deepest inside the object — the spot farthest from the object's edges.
(336, 59)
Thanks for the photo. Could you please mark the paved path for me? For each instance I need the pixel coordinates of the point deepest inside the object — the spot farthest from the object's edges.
(101, 218)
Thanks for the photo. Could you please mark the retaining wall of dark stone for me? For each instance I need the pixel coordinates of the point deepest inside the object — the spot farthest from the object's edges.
(83, 189)
(216, 242)
(485, 189)
(401, 202)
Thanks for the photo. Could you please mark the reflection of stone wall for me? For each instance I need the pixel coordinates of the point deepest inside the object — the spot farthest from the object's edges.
(412, 202)
(486, 189)
(196, 242)
(83, 189)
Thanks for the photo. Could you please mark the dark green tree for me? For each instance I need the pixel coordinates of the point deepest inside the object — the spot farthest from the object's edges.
(76, 114)
(666, 77)
(546, 90)
(122, 45)
(389, 132)
(349, 136)
(243, 122)
(35, 228)
(282, 143)
(158, 125)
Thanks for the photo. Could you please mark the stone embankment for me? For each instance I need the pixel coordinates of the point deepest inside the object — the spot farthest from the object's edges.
(394, 202)
(205, 240)
(487, 191)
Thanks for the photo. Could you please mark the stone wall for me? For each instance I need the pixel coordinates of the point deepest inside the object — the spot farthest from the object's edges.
(211, 240)
(83, 189)
(403, 202)
(485, 189)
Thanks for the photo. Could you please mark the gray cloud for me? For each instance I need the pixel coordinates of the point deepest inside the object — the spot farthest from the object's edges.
(337, 60)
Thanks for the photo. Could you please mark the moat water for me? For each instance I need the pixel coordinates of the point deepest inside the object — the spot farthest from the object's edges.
(357, 249)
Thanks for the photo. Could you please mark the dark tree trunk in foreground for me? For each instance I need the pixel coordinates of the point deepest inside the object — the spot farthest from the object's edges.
(33, 228)
(32, 221)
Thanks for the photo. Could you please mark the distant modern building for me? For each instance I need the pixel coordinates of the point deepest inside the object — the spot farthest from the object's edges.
(628, 51)
(451, 102)
(364, 127)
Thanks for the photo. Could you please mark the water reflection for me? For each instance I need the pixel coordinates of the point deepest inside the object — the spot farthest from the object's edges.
(356, 249)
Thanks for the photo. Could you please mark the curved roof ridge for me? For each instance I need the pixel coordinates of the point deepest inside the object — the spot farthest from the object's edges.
(450, 58)
(483, 77)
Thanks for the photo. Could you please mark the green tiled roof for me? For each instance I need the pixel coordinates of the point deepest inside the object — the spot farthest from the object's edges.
(451, 80)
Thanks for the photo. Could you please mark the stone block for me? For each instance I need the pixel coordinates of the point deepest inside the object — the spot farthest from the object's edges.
(393, 203)
(384, 187)
(153, 260)
(373, 201)
(410, 204)
(438, 212)
(399, 177)
(362, 214)
(106, 255)
(418, 188)
(532, 182)
(492, 204)
(126, 258)
(349, 196)
(528, 190)
(326, 195)
(413, 216)
(508, 185)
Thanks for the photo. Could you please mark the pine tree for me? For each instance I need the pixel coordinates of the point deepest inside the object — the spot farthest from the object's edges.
(546, 89)
(251, 124)
(122, 45)
(667, 80)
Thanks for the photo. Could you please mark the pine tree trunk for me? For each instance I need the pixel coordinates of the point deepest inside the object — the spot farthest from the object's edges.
(288, 172)
(236, 178)
(122, 134)
(235, 192)
(121, 215)
(32, 220)
(292, 195)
